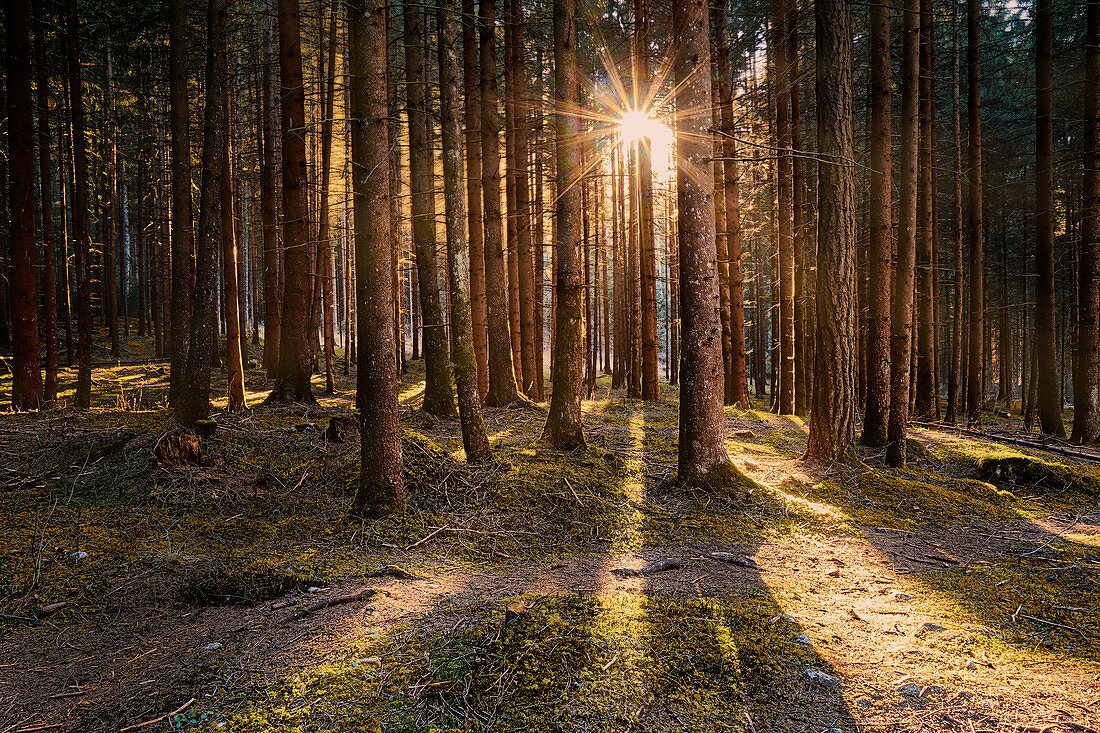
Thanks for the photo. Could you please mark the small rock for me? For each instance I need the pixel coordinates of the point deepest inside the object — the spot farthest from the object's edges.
(864, 702)
(899, 596)
(312, 589)
(909, 689)
(929, 628)
(834, 573)
(781, 617)
(752, 465)
(821, 678)
(212, 646)
(744, 434)
(80, 555)
(802, 639)
(369, 660)
(963, 696)
(933, 690)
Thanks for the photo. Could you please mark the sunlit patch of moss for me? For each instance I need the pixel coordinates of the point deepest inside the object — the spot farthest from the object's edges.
(614, 663)
(1046, 603)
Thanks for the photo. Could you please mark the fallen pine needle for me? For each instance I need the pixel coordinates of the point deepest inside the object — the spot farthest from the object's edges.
(162, 718)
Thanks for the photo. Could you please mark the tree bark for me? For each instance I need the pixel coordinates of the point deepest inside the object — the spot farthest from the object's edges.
(470, 81)
(193, 403)
(924, 400)
(80, 216)
(45, 173)
(1050, 402)
(832, 416)
(975, 374)
(381, 487)
(269, 213)
(563, 428)
(231, 292)
(502, 378)
(880, 233)
(292, 379)
(701, 455)
(902, 330)
(26, 386)
(182, 244)
(1086, 398)
(646, 245)
(474, 437)
(438, 398)
(324, 244)
(781, 90)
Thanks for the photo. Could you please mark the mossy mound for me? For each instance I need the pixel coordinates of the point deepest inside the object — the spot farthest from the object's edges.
(1058, 483)
(618, 663)
(241, 585)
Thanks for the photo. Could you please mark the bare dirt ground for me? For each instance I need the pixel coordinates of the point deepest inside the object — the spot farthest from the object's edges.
(848, 598)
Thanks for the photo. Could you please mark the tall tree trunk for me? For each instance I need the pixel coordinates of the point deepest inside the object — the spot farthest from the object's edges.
(1050, 403)
(777, 48)
(273, 319)
(182, 245)
(26, 386)
(110, 235)
(720, 72)
(80, 216)
(470, 82)
(438, 398)
(231, 292)
(647, 248)
(563, 428)
(902, 331)
(474, 438)
(292, 380)
(324, 244)
(193, 403)
(803, 342)
(1086, 397)
(880, 233)
(502, 378)
(832, 417)
(45, 173)
(381, 487)
(702, 455)
(975, 367)
(955, 394)
(924, 399)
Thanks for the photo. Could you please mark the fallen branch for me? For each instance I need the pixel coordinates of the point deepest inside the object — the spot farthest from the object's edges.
(161, 719)
(732, 559)
(1051, 623)
(394, 571)
(425, 539)
(338, 600)
(657, 567)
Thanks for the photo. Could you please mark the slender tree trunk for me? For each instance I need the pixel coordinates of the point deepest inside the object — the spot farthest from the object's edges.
(646, 246)
(292, 381)
(1086, 398)
(381, 484)
(438, 398)
(474, 438)
(1050, 403)
(231, 292)
(471, 83)
(880, 233)
(975, 379)
(182, 245)
(954, 378)
(563, 428)
(502, 378)
(720, 58)
(324, 245)
(538, 241)
(832, 417)
(702, 455)
(80, 214)
(269, 213)
(902, 332)
(193, 403)
(110, 189)
(26, 386)
(803, 341)
(45, 173)
(923, 399)
(777, 47)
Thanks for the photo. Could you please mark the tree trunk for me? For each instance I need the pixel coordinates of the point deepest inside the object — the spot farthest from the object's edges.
(803, 342)
(832, 417)
(292, 379)
(975, 367)
(781, 90)
(701, 455)
(324, 244)
(26, 386)
(902, 331)
(194, 396)
(880, 233)
(470, 83)
(381, 487)
(474, 438)
(1050, 403)
(1086, 398)
(80, 214)
(273, 319)
(45, 172)
(924, 399)
(563, 428)
(720, 82)
(231, 292)
(182, 245)
(502, 378)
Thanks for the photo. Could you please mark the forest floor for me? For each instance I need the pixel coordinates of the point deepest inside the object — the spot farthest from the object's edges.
(958, 594)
